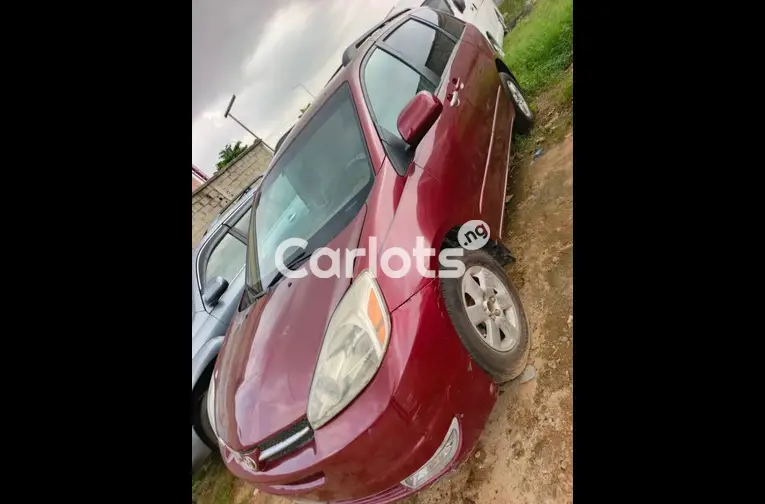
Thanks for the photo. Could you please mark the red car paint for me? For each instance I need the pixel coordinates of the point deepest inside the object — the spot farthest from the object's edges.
(395, 425)
(268, 370)
(264, 370)
(418, 117)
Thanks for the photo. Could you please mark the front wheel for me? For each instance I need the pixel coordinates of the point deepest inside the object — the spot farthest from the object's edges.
(524, 117)
(487, 313)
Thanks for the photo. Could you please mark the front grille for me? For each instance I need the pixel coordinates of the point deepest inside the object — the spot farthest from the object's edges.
(280, 445)
(281, 436)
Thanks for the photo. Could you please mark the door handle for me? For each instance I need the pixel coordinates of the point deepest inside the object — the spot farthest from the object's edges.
(291, 217)
(453, 97)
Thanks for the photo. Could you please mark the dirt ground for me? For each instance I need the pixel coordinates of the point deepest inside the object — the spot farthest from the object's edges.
(525, 453)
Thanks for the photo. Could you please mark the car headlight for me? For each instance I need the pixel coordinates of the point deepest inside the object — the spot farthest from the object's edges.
(352, 350)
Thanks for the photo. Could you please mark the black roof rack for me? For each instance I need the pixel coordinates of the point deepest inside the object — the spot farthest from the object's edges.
(350, 51)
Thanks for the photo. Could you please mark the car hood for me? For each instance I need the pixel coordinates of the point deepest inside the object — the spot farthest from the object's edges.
(265, 367)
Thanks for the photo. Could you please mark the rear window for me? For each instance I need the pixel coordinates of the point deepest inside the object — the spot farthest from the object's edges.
(314, 190)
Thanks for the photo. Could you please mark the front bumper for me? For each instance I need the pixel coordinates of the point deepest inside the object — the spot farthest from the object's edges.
(427, 379)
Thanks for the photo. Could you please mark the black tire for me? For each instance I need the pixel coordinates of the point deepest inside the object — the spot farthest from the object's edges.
(500, 366)
(199, 418)
(523, 123)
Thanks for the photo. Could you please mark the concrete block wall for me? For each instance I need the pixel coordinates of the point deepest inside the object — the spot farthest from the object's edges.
(210, 198)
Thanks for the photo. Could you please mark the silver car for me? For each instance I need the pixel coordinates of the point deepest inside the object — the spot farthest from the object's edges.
(217, 282)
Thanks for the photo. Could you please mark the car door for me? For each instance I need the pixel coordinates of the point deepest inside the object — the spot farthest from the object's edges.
(416, 56)
(457, 149)
(473, 78)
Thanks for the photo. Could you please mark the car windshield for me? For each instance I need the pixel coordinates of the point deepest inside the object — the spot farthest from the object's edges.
(317, 186)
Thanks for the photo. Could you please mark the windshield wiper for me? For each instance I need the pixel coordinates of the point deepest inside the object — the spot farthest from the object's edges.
(294, 262)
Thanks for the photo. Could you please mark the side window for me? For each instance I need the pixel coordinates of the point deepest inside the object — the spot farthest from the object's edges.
(243, 224)
(390, 84)
(423, 46)
(225, 260)
(438, 5)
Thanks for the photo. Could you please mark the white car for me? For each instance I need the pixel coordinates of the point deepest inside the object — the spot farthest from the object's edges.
(482, 13)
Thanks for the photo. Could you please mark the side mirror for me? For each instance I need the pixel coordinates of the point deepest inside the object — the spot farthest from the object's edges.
(418, 116)
(214, 290)
(460, 4)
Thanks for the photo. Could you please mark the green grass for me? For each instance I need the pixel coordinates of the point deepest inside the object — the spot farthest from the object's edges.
(541, 45)
(567, 89)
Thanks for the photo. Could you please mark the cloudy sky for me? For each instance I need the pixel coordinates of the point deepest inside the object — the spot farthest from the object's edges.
(262, 50)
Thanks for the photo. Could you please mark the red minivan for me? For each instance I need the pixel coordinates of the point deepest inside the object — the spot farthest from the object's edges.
(367, 386)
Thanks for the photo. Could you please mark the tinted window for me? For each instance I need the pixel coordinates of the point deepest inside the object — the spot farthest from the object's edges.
(444, 21)
(390, 84)
(313, 191)
(438, 4)
(226, 259)
(422, 45)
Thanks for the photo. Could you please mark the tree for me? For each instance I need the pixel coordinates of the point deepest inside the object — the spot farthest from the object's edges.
(229, 153)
